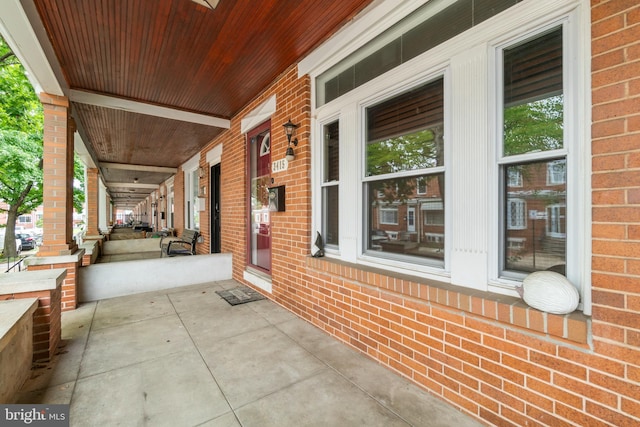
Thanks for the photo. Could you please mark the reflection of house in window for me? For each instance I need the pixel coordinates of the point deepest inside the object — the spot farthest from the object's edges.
(422, 186)
(434, 237)
(514, 177)
(556, 172)
(556, 222)
(433, 212)
(389, 216)
(516, 244)
(516, 214)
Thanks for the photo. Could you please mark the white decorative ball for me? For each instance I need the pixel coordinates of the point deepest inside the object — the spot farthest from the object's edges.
(550, 292)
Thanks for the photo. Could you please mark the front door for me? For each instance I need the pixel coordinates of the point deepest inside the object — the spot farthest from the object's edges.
(411, 219)
(259, 170)
(215, 209)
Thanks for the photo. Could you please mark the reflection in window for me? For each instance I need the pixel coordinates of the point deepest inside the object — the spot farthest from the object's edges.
(534, 183)
(516, 214)
(388, 216)
(394, 230)
(405, 133)
(330, 183)
(535, 218)
(404, 184)
(556, 173)
(533, 95)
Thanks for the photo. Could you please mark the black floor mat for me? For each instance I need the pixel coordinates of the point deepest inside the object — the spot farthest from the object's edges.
(240, 295)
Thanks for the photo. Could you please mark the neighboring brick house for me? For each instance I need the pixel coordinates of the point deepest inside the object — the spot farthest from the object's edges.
(452, 323)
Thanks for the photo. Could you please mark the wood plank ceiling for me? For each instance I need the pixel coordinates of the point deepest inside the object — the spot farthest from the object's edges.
(181, 55)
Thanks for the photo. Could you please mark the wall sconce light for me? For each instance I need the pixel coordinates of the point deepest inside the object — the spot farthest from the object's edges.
(289, 128)
(201, 172)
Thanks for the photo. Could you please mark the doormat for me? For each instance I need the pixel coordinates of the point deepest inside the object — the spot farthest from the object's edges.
(240, 295)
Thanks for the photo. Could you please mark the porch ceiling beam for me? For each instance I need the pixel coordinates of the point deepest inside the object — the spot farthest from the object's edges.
(143, 168)
(106, 101)
(132, 185)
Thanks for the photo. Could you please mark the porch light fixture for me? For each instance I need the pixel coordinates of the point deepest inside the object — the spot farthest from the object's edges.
(289, 128)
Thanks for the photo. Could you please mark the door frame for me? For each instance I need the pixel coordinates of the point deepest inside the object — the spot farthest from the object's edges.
(265, 126)
(214, 216)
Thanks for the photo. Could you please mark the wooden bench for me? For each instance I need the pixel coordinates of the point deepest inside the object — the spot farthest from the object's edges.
(185, 245)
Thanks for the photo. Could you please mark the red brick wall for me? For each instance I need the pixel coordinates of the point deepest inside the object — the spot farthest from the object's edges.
(69, 296)
(616, 194)
(290, 229)
(491, 356)
(46, 322)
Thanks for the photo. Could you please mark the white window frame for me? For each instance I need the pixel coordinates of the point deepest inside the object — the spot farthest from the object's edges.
(468, 63)
(325, 184)
(521, 220)
(551, 218)
(553, 176)
(384, 211)
(190, 170)
(515, 178)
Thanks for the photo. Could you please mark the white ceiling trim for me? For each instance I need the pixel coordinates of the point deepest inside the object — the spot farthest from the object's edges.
(143, 168)
(106, 101)
(131, 185)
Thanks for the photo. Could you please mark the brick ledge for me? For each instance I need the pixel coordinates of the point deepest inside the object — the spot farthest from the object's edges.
(574, 327)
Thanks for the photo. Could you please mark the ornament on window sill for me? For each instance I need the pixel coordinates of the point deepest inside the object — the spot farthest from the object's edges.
(318, 247)
(550, 292)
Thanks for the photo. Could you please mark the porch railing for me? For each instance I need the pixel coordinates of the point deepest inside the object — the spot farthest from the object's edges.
(16, 264)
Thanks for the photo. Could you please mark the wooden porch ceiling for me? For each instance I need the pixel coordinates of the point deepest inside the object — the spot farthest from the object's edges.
(180, 56)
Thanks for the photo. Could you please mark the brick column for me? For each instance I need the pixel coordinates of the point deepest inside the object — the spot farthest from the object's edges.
(58, 249)
(93, 202)
(58, 177)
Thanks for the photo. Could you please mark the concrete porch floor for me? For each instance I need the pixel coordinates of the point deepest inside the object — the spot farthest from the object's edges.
(185, 357)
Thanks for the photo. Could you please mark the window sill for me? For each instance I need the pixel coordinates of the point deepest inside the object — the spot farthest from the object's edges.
(573, 327)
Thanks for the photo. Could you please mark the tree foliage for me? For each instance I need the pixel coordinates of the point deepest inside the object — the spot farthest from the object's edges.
(534, 126)
(21, 125)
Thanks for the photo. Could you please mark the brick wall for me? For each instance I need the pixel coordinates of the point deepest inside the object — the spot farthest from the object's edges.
(290, 229)
(68, 294)
(491, 356)
(46, 322)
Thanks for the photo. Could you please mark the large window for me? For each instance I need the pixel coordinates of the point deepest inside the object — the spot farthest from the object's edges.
(467, 162)
(404, 151)
(533, 149)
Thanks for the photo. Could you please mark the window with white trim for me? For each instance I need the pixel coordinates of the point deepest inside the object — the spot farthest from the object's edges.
(388, 216)
(331, 184)
(533, 145)
(516, 214)
(403, 147)
(497, 112)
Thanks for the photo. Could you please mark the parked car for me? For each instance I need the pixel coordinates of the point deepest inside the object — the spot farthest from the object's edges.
(28, 242)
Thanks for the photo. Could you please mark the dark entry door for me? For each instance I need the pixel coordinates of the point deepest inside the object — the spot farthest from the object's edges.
(216, 240)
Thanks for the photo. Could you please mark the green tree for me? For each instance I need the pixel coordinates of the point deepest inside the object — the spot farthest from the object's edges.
(534, 126)
(21, 129)
(21, 122)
